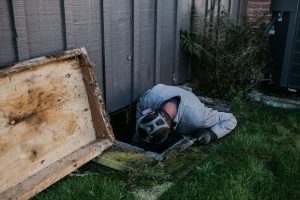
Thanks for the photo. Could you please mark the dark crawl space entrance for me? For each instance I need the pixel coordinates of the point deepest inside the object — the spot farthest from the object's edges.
(123, 123)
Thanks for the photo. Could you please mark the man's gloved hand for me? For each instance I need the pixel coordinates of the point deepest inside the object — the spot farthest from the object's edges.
(205, 136)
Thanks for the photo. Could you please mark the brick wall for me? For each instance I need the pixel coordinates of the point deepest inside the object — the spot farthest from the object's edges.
(258, 8)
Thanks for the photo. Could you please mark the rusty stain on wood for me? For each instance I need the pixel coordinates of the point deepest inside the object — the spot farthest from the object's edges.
(48, 110)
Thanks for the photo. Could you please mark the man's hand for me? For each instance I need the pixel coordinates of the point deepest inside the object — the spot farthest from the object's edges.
(201, 136)
(205, 136)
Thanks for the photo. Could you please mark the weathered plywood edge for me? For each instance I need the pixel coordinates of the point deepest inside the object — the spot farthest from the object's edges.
(95, 98)
(46, 177)
(6, 70)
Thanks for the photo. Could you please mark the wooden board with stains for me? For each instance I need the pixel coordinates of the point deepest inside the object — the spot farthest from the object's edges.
(50, 107)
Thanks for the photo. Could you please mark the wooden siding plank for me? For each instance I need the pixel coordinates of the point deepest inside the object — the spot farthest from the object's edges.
(44, 22)
(168, 34)
(225, 5)
(107, 51)
(145, 45)
(21, 30)
(200, 6)
(184, 67)
(175, 75)
(95, 39)
(238, 16)
(235, 10)
(7, 45)
(83, 29)
(136, 51)
(199, 15)
(158, 40)
(243, 11)
(118, 53)
(68, 10)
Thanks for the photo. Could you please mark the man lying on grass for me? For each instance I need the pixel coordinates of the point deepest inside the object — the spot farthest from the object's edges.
(165, 111)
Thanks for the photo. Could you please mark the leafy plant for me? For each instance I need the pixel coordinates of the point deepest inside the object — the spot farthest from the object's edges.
(227, 57)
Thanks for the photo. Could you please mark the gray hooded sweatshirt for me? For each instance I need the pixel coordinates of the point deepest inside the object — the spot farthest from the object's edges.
(191, 113)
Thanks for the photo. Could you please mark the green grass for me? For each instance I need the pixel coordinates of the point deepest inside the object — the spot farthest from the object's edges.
(259, 160)
(96, 183)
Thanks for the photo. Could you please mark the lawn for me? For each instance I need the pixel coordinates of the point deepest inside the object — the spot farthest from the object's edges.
(259, 160)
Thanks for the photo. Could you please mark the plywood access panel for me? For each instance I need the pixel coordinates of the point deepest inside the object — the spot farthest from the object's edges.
(52, 121)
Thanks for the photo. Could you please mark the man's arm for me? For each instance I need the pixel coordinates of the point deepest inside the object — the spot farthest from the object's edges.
(220, 123)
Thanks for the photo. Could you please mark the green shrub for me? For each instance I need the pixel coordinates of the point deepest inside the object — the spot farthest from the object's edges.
(227, 57)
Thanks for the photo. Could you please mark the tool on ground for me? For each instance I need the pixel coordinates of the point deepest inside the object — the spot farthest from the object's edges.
(186, 144)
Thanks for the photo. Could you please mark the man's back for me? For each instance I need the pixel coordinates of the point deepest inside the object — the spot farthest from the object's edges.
(191, 113)
(155, 97)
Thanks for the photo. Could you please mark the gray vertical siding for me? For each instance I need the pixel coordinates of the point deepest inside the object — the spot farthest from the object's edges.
(83, 21)
(134, 44)
(168, 36)
(235, 7)
(118, 52)
(7, 45)
(20, 27)
(43, 21)
(183, 72)
(144, 46)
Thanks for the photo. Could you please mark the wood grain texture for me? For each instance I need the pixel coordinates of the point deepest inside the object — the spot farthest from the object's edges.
(41, 108)
(45, 115)
(49, 175)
